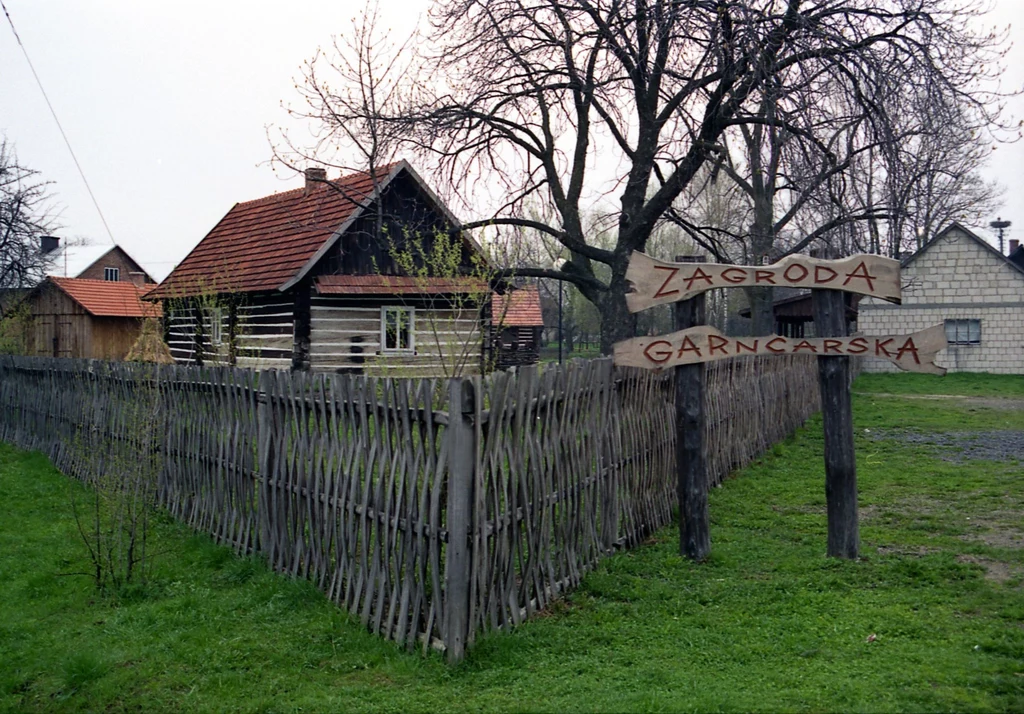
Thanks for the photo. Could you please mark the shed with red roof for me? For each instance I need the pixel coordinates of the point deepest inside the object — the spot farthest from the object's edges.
(332, 276)
(516, 324)
(84, 318)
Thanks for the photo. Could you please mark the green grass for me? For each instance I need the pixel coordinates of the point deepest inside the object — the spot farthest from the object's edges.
(768, 624)
(955, 383)
(549, 353)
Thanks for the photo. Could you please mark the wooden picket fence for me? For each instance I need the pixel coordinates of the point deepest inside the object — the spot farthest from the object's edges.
(433, 510)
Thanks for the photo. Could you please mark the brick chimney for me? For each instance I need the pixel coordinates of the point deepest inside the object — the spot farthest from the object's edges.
(48, 244)
(138, 278)
(315, 175)
(1013, 245)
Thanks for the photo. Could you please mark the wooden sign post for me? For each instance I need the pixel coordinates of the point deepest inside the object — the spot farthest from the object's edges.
(691, 475)
(657, 282)
(837, 417)
(911, 353)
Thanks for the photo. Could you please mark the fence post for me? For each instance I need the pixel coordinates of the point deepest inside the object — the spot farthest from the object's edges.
(691, 469)
(265, 428)
(611, 462)
(461, 465)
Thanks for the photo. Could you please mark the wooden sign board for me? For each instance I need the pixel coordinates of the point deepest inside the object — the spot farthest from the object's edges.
(913, 353)
(657, 282)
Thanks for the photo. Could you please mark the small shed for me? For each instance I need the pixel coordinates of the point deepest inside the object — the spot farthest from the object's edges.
(93, 319)
(516, 324)
(794, 314)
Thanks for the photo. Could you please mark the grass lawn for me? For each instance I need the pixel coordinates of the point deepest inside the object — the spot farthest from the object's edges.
(930, 618)
(955, 384)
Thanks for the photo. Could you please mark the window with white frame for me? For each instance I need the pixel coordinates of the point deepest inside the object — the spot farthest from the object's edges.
(396, 328)
(112, 274)
(963, 332)
(216, 317)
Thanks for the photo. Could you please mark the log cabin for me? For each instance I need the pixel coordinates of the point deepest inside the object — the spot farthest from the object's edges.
(310, 279)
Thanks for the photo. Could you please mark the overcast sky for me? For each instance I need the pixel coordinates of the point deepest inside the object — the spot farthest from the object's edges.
(167, 107)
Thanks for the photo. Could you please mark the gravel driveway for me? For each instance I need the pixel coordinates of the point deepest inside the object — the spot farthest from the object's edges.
(960, 446)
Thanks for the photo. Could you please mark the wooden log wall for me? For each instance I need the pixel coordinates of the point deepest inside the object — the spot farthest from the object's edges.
(262, 331)
(516, 346)
(264, 334)
(345, 338)
(191, 334)
(181, 334)
(345, 479)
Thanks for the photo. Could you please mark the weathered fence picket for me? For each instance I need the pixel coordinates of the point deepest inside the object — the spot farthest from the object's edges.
(432, 510)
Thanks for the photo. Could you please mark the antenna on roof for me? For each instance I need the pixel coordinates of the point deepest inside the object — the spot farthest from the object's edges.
(1000, 225)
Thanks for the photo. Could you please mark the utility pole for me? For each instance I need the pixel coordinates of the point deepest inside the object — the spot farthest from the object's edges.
(1000, 225)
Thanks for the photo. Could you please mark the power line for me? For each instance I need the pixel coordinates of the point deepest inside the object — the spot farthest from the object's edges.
(61, 128)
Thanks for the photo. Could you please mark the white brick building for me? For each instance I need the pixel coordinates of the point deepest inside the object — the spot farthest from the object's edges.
(959, 280)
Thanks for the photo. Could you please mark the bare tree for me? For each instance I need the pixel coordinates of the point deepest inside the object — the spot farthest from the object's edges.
(932, 179)
(630, 99)
(846, 168)
(25, 216)
(347, 90)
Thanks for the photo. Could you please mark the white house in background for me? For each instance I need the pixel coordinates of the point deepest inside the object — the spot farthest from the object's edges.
(959, 280)
(94, 262)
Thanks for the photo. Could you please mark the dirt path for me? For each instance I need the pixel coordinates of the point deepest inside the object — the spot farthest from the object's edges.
(985, 402)
(960, 446)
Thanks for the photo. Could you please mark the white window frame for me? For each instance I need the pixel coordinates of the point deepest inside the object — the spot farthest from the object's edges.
(411, 312)
(958, 331)
(216, 317)
(112, 275)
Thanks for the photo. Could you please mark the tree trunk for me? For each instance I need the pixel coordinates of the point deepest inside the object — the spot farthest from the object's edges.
(617, 322)
(762, 317)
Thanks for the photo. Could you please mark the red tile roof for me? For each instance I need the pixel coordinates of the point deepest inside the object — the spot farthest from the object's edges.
(262, 244)
(518, 308)
(105, 298)
(396, 285)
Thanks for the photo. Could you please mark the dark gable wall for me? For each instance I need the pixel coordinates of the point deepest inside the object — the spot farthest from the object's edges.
(406, 211)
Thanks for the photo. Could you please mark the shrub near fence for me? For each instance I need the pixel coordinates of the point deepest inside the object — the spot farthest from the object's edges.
(433, 510)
